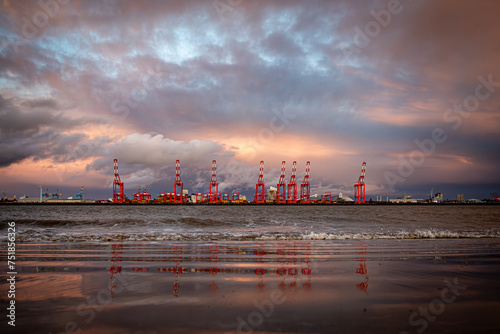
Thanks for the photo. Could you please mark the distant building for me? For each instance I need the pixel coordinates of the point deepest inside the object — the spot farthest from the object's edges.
(343, 198)
(439, 197)
(25, 199)
(460, 198)
(474, 200)
(67, 200)
(407, 199)
(271, 193)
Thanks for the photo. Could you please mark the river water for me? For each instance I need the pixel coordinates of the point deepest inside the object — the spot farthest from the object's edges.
(156, 223)
(253, 269)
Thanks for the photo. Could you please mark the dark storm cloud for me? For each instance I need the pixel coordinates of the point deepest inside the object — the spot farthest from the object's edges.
(36, 115)
(41, 103)
(29, 130)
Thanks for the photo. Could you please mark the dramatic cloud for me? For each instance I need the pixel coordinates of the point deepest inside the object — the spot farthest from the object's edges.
(32, 129)
(333, 82)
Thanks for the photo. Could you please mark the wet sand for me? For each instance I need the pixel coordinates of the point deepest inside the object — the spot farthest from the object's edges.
(347, 286)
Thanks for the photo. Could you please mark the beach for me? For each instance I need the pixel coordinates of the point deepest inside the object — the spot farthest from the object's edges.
(396, 281)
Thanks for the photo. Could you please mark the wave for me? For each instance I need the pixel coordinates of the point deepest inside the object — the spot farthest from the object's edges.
(192, 221)
(46, 223)
(45, 236)
(54, 222)
(417, 234)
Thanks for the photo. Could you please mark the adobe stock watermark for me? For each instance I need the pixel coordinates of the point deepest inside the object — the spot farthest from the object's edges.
(226, 9)
(88, 310)
(453, 117)
(121, 108)
(265, 309)
(436, 307)
(382, 19)
(31, 26)
(278, 123)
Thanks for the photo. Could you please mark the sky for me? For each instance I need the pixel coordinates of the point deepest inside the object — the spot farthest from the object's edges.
(410, 87)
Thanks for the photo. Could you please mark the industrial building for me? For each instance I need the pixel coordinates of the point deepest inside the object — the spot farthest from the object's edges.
(343, 199)
(439, 198)
(272, 193)
(25, 199)
(406, 199)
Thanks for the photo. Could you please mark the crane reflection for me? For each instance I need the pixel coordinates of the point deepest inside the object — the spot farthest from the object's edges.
(361, 251)
(286, 264)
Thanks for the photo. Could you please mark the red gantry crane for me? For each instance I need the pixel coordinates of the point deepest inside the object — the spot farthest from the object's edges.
(359, 187)
(118, 196)
(214, 185)
(292, 185)
(305, 187)
(137, 195)
(327, 197)
(142, 196)
(145, 195)
(178, 183)
(281, 188)
(260, 190)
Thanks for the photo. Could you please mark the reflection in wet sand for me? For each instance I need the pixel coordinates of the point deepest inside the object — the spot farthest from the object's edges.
(289, 262)
(281, 286)
(361, 251)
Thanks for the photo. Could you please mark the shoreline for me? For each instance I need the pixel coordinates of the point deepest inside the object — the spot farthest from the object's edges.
(353, 286)
(253, 204)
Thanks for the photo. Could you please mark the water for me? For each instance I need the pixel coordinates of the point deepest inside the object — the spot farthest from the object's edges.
(253, 269)
(156, 223)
